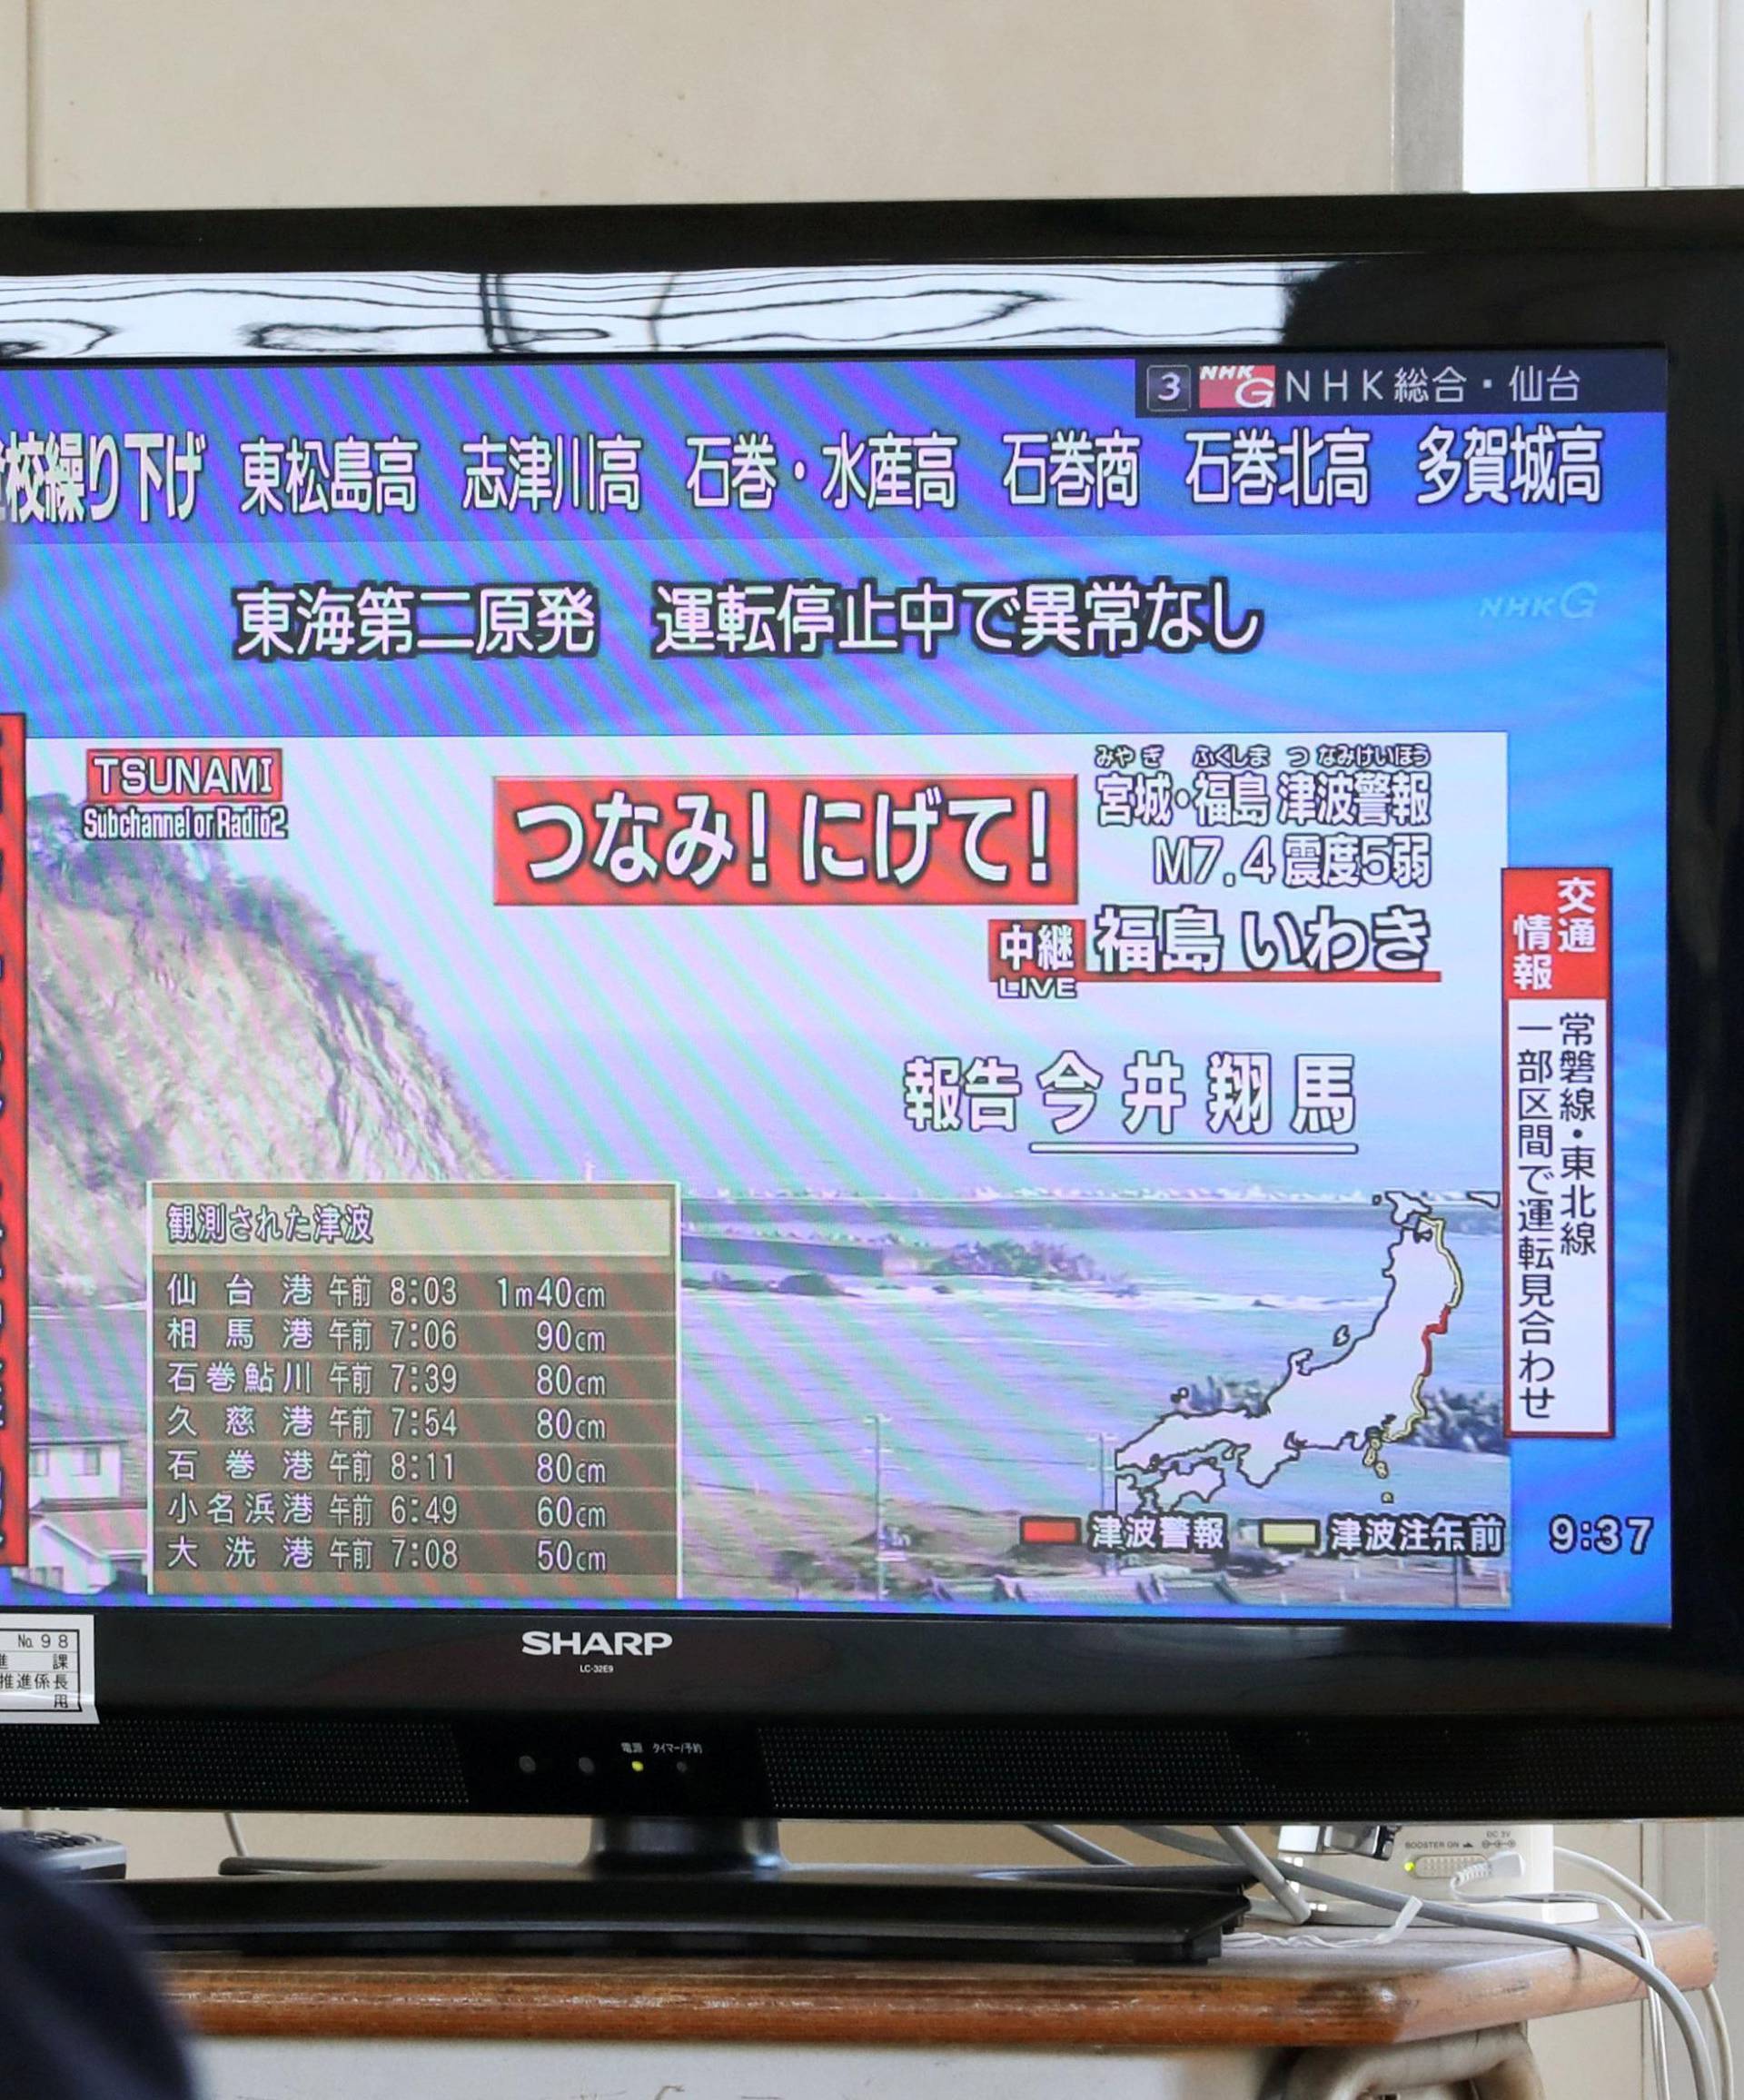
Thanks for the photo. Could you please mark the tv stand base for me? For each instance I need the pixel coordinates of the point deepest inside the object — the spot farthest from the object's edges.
(695, 1886)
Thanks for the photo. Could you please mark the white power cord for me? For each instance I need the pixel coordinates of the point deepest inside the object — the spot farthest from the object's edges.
(1632, 1926)
(1645, 1970)
(1655, 2010)
(1496, 1866)
(1709, 1994)
(1618, 1879)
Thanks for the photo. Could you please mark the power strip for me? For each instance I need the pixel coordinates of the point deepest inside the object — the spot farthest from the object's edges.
(1441, 1863)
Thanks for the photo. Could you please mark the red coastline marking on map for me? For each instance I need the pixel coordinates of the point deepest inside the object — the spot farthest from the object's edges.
(1436, 1326)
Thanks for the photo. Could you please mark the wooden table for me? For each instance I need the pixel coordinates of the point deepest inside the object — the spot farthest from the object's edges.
(1304, 2021)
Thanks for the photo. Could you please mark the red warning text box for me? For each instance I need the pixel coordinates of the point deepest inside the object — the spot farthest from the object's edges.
(185, 773)
(980, 839)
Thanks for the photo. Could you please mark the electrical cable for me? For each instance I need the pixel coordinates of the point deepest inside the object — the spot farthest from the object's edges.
(1656, 2045)
(1643, 1968)
(1078, 1845)
(239, 1845)
(1633, 1925)
(1271, 1877)
(1708, 1994)
(1471, 1915)
(1276, 1880)
(1617, 1878)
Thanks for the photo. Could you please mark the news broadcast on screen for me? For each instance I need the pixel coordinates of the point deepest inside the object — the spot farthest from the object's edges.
(961, 985)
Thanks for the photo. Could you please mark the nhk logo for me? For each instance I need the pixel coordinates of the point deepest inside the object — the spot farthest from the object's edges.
(1238, 386)
(1573, 602)
(619, 1645)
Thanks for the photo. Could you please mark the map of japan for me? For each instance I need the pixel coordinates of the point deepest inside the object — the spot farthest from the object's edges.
(1365, 1395)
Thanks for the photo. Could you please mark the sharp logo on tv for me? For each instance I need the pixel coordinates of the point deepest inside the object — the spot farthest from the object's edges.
(539, 1642)
(1238, 386)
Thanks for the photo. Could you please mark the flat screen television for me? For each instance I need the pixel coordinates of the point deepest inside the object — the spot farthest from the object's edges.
(879, 1011)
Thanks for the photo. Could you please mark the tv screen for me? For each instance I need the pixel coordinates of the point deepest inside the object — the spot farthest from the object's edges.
(765, 978)
(978, 984)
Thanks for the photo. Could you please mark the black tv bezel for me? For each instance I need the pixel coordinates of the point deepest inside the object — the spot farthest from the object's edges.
(1491, 272)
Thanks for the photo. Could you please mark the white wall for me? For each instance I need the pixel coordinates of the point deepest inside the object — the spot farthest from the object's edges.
(200, 103)
(1703, 66)
(1556, 94)
(14, 103)
(1581, 94)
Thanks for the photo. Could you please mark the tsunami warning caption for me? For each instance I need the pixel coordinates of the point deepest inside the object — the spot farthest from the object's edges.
(207, 793)
(48, 1668)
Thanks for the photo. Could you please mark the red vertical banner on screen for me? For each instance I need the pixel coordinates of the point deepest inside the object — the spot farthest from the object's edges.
(15, 1265)
(1556, 1170)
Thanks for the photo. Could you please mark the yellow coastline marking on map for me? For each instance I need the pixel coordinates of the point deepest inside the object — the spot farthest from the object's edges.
(1366, 1396)
(1373, 1452)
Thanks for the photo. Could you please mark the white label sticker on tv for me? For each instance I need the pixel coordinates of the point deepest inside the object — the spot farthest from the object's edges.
(47, 1668)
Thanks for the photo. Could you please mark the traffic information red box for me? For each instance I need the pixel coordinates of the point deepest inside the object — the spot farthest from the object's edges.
(1557, 1180)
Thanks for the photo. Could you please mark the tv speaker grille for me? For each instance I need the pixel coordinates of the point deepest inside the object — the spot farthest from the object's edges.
(1394, 1770)
(239, 1762)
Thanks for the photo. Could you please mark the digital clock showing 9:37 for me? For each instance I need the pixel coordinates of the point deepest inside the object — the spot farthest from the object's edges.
(1601, 1534)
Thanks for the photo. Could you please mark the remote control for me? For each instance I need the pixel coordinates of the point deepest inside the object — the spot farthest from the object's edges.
(71, 1852)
